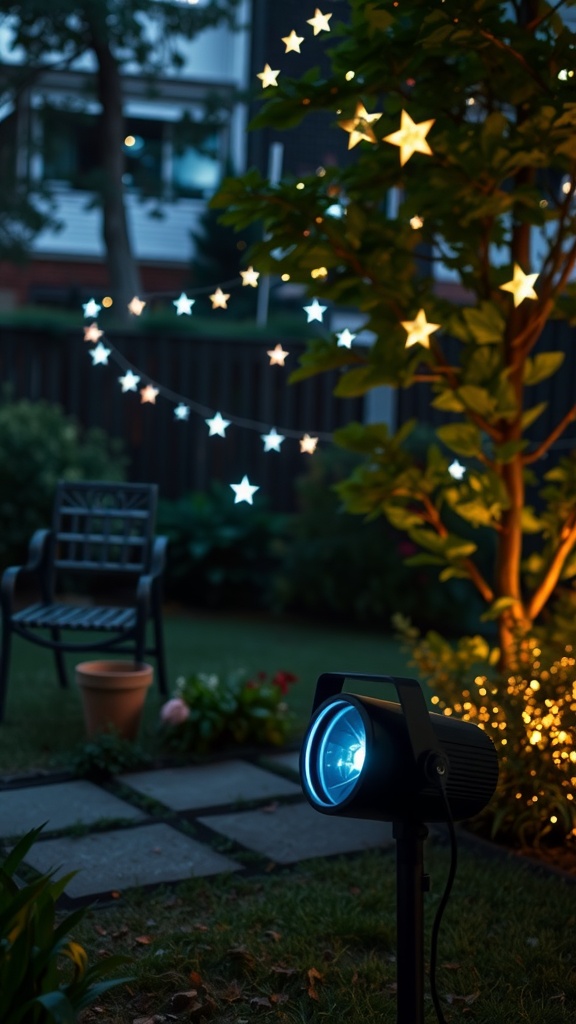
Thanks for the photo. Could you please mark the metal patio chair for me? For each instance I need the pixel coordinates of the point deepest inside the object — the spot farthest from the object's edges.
(99, 529)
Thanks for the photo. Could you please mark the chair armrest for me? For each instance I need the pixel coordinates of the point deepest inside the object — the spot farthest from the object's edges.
(147, 582)
(38, 549)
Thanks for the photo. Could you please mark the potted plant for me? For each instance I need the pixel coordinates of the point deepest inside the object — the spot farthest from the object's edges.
(113, 695)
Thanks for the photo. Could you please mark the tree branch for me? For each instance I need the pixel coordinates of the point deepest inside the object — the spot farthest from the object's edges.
(552, 575)
(552, 437)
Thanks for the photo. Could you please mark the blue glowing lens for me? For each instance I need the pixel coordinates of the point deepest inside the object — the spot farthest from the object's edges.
(334, 753)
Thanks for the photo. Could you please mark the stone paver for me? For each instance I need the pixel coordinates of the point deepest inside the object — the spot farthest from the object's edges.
(112, 861)
(199, 786)
(297, 832)
(61, 805)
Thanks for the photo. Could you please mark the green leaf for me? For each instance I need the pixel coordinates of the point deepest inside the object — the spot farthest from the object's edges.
(509, 450)
(462, 438)
(485, 323)
(402, 518)
(497, 607)
(453, 572)
(477, 399)
(448, 401)
(530, 522)
(542, 366)
(530, 415)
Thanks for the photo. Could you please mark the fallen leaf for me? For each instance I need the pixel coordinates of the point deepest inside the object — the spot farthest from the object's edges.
(143, 940)
(100, 930)
(275, 936)
(279, 997)
(232, 992)
(196, 978)
(183, 1000)
(261, 1001)
(452, 967)
(467, 1000)
(313, 976)
(286, 971)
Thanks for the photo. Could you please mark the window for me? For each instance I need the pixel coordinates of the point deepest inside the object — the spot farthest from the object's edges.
(196, 162)
(70, 147)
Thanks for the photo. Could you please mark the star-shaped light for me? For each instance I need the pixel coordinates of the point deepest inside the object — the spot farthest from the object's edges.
(129, 381)
(292, 42)
(411, 137)
(183, 304)
(219, 299)
(244, 490)
(149, 394)
(136, 305)
(319, 22)
(217, 425)
(419, 330)
(182, 412)
(456, 469)
(91, 308)
(277, 355)
(521, 285)
(359, 126)
(92, 333)
(315, 311)
(345, 338)
(272, 441)
(308, 444)
(100, 354)
(250, 277)
(268, 76)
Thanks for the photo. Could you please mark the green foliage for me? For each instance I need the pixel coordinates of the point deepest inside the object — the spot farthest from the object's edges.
(107, 755)
(497, 187)
(220, 554)
(45, 977)
(209, 711)
(343, 568)
(529, 713)
(40, 445)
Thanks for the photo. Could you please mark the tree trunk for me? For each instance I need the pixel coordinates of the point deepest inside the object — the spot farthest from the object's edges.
(122, 268)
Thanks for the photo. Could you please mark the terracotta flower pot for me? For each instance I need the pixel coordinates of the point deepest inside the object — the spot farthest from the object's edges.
(113, 695)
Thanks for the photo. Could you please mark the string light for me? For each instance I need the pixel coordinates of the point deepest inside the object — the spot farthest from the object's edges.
(184, 304)
(91, 308)
(244, 491)
(219, 299)
(456, 470)
(521, 285)
(359, 126)
(136, 306)
(419, 330)
(149, 394)
(100, 355)
(268, 77)
(411, 137)
(308, 444)
(292, 42)
(315, 311)
(129, 381)
(250, 277)
(182, 412)
(319, 22)
(92, 333)
(345, 338)
(277, 355)
(217, 425)
(272, 440)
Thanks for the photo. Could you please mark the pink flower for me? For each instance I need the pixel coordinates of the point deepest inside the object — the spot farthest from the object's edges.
(174, 711)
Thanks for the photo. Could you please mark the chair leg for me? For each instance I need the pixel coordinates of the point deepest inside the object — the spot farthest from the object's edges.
(160, 652)
(60, 663)
(4, 666)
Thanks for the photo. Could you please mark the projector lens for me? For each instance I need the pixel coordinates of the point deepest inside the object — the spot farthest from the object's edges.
(334, 753)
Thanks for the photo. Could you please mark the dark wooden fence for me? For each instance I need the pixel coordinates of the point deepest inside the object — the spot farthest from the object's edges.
(230, 376)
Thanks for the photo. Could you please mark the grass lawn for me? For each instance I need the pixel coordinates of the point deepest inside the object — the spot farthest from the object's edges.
(43, 723)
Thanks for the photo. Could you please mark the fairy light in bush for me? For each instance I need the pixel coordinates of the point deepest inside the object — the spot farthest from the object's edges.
(456, 470)
(345, 338)
(521, 286)
(292, 42)
(319, 22)
(359, 127)
(419, 330)
(315, 311)
(268, 77)
(410, 137)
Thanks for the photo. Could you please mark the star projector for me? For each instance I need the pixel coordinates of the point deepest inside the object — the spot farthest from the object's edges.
(364, 757)
(368, 758)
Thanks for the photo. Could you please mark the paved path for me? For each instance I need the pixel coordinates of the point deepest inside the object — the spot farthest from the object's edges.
(166, 825)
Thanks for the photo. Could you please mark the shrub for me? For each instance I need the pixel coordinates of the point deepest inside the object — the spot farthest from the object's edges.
(40, 445)
(529, 713)
(44, 974)
(220, 555)
(207, 711)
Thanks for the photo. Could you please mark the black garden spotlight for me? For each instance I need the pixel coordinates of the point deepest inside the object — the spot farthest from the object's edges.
(364, 757)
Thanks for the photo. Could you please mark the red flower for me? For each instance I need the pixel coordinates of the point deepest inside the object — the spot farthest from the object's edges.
(283, 680)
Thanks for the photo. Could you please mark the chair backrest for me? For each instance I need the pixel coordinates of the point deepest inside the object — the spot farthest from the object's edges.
(104, 527)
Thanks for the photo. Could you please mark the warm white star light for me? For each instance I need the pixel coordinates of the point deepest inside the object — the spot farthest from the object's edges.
(359, 126)
(91, 333)
(411, 137)
(244, 490)
(268, 76)
(292, 42)
(456, 469)
(217, 425)
(149, 394)
(136, 306)
(272, 441)
(129, 381)
(91, 308)
(419, 330)
(319, 22)
(315, 311)
(182, 412)
(345, 338)
(308, 444)
(183, 304)
(250, 277)
(100, 354)
(521, 285)
(277, 355)
(219, 299)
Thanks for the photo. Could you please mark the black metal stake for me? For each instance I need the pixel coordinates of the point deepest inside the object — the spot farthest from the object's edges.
(411, 883)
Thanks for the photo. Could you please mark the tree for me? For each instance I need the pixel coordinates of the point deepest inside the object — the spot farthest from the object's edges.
(464, 112)
(118, 33)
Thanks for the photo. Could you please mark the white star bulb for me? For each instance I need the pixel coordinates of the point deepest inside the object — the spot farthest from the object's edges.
(183, 304)
(244, 490)
(217, 425)
(315, 311)
(136, 306)
(456, 469)
(91, 308)
(277, 355)
(521, 286)
(129, 381)
(100, 354)
(308, 444)
(92, 333)
(250, 277)
(345, 338)
(182, 412)
(272, 441)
